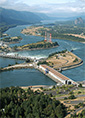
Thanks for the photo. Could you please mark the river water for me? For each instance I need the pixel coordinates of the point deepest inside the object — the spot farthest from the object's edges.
(26, 77)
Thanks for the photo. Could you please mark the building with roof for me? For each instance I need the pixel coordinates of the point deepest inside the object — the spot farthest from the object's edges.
(56, 75)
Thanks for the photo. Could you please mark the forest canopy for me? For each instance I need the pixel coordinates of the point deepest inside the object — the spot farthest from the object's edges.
(18, 103)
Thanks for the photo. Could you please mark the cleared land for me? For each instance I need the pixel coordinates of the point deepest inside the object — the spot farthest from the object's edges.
(77, 35)
(62, 60)
(32, 30)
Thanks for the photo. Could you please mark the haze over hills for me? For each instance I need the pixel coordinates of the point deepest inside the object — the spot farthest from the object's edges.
(9, 16)
(52, 8)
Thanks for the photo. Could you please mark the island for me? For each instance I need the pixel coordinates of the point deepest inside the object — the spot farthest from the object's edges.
(4, 43)
(37, 46)
(3, 35)
(11, 40)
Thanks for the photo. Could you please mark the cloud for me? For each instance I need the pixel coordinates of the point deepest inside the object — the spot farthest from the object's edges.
(14, 4)
(76, 6)
(66, 7)
(82, 0)
(2, 1)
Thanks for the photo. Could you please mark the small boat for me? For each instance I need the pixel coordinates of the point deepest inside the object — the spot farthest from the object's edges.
(71, 50)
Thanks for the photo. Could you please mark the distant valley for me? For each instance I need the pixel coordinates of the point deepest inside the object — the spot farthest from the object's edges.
(10, 18)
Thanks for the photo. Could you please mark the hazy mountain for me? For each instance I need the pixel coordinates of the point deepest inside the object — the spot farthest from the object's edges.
(43, 16)
(79, 20)
(9, 16)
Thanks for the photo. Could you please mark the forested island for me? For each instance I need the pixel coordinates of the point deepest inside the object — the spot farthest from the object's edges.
(36, 46)
(11, 40)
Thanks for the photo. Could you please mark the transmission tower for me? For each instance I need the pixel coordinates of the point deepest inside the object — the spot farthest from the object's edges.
(47, 37)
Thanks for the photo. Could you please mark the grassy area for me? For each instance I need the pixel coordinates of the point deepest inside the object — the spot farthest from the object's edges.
(79, 91)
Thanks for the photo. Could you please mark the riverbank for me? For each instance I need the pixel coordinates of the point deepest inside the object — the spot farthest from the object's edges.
(40, 87)
(40, 31)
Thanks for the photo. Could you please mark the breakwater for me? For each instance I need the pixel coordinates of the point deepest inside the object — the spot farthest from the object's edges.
(72, 66)
(17, 66)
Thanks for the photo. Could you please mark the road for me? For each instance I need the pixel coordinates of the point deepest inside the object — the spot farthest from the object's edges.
(58, 98)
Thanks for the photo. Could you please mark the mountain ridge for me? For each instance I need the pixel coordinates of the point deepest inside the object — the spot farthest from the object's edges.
(18, 17)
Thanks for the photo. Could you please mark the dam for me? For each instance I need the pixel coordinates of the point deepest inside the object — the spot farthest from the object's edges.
(55, 75)
(47, 70)
(16, 56)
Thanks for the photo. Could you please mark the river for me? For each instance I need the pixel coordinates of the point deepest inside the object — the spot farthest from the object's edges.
(26, 77)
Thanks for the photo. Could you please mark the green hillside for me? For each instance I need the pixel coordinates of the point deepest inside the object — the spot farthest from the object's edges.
(10, 18)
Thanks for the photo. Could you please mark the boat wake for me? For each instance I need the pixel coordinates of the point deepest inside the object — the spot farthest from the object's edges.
(75, 48)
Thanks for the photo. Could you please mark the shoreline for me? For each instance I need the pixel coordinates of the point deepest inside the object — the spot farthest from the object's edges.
(58, 38)
(83, 42)
(33, 33)
(21, 66)
(42, 36)
(44, 86)
(68, 39)
(73, 66)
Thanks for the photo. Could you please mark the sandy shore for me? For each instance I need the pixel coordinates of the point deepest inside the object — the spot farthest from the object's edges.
(36, 87)
(78, 35)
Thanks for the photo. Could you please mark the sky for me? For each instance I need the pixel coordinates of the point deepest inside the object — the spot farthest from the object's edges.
(46, 6)
(37, 2)
(46, 1)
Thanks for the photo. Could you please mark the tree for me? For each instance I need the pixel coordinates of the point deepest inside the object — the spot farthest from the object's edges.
(18, 103)
(27, 60)
(71, 97)
(60, 112)
(80, 85)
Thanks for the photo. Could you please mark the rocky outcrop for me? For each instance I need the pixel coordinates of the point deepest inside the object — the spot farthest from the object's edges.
(78, 21)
